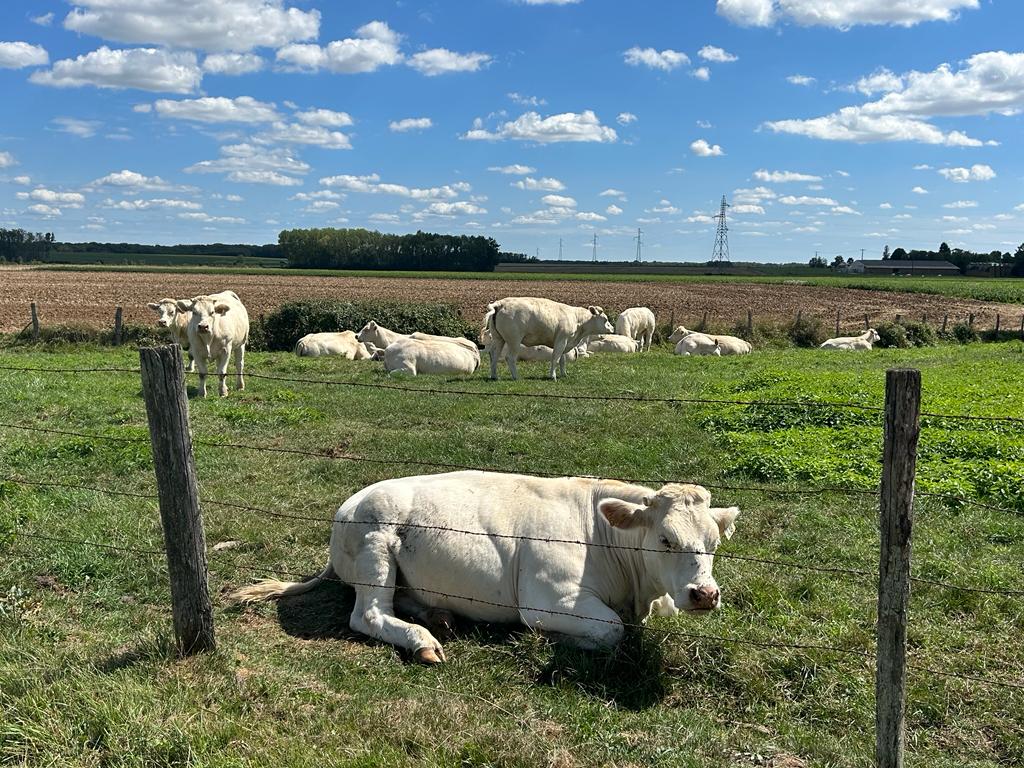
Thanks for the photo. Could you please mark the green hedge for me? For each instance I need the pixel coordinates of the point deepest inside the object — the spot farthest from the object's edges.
(279, 330)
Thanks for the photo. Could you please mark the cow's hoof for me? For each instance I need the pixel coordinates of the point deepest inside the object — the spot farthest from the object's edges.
(429, 656)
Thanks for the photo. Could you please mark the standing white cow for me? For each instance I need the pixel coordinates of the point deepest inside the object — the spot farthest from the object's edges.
(416, 355)
(518, 321)
(637, 323)
(176, 323)
(341, 343)
(218, 327)
(574, 556)
(865, 341)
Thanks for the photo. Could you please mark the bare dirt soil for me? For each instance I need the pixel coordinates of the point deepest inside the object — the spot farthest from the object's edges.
(90, 297)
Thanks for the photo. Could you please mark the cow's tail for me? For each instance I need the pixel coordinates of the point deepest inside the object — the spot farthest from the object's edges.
(272, 589)
(491, 325)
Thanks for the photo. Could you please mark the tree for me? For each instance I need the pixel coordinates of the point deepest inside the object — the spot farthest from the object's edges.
(817, 261)
(899, 254)
(885, 253)
(944, 252)
(838, 261)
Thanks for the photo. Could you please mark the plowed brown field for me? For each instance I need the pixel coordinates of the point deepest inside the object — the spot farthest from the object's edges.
(90, 297)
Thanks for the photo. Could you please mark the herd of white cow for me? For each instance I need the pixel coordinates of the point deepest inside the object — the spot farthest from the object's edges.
(212, 327)
(577, 557)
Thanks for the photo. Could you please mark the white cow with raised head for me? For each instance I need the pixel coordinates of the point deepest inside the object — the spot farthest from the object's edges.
(218, 327)
(416, 355)
(382, 338)
(865, 341)
(637, 323)
(518, 321)
(176, 323)
(574, 556)
(340, 343)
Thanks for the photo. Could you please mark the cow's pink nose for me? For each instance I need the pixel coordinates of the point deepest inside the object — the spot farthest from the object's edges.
(204, 328)
(705, 598)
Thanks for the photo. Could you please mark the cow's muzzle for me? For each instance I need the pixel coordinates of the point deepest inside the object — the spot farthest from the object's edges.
(704, 598)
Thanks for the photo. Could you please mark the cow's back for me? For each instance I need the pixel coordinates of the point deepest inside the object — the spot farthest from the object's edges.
(533, 321)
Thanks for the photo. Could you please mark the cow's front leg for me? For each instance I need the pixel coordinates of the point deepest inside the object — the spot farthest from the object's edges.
(583, 621)
(240, 365)
(558, 351)
(374, 611)
(201, 366)
(191, 361)
(222, 371)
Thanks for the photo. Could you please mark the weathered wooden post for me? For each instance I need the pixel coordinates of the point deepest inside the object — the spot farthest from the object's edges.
(837, 322)
(704, 321)
(799, 316)
(672, 322)
(896, 507)
(750, 322)
(163, 386)
(117, 327)
(899, 319)
(867, 323)
(945, 321)
(924, 318)
(35, 322)
(997, 323)
(970, 321)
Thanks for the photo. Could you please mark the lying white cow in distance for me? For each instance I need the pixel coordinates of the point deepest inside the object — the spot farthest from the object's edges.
(640, 547)
(864, 341)
(728, 345)
(637, 323)
(341, 343)
(610, 343)
(382, 337)
(218, 327)
(518, 321)
(176, 323)
(697, 344)
(416, 355)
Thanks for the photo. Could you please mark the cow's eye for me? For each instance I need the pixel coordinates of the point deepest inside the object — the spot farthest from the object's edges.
(665, 542)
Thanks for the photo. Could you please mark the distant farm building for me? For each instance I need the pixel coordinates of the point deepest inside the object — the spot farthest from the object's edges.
(902, 267)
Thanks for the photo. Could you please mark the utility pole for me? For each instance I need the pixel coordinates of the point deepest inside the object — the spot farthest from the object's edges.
(639, 242)
(559, 249)
(537, 251)
(721, 251)
(862, 255)
(595, 246)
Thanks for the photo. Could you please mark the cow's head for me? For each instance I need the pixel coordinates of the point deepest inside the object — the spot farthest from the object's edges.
(205, 310)
(597, 323)
(679, 334)
(166, 310)
(368, 333)
(681, 531)
(873, 336)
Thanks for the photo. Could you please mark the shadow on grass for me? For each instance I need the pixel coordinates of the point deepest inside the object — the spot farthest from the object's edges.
(157, 648)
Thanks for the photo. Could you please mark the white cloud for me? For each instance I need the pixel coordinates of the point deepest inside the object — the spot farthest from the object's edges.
(781, 177)
(701, 73)
(527, 101)
(375, 46)
(44, 20)
(82, 128)
(754, 196)
(514, 170)
(590, 216)
(713, 53)
(132, 180)
(666, 60)
(663, 206)
(371, 184)
(700, 218)
(625, 118)
(746, 208)
(320, 194)
(7, 160)
(922, 167)
(295, 133)
(880, 81)
(43, 195)
(844, 174)
(263, 177)
(612, 192)
(226, 25)
(158, 202)
(453, 209)
(22, 180)
(148, 69)
(558, 201)
(613, 210)
(805, 200)
(976, 172)
(321, 205)
(805, 80)
(18, 55)
(530, 126)
(391, 218)
(410, 124)
(962, 204)
(440, 61)
(218, 109)
(232, 63)
(45, 211)
(325, 117)
(885, 206)
(919, 191)
(546, 184)
(701, 148)
(846, 209)
(205, 217)
(904, 13)
(254, 165)
(851, 124)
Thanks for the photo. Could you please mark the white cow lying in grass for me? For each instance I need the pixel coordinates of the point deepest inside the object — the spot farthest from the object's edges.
(697, 344)
(864, 341)
(649, 546)
(518, 321)
(637, 323)
(610, 343)
(728, 345)
(176, 323)
(421, 353)
(382, 337)
(218, 327)
(341, 343)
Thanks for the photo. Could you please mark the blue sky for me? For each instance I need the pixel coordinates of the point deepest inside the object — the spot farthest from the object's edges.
(828, 129)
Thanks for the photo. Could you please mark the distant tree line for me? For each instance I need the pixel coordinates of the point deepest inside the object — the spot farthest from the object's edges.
(1013, 263)
(22, 245)
(331, 248)
(272, 250)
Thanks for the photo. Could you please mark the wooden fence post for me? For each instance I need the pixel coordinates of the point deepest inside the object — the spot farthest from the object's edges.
(799, 316)
(896, 508)
(750, 321)
(899, 319)
(117, 327)
(945, 320)
(837, 322)
(163, 386)
(997, 323)
(867, 323)
(672, 322)
(35, 322)
(704, 321)
(970, 321)
(1022, 327)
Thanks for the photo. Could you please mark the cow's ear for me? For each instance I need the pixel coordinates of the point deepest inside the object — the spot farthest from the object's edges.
(594, 310)
(185, 305)
(725, 517)
(221, 308)
(372, 325)
(622, 514)
(154, 306)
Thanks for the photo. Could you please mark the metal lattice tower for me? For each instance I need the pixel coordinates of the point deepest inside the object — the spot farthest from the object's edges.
(595, 246)
(721, 252)
(639, 243)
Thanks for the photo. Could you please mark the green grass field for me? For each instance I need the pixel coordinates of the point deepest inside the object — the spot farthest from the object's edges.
(1003, 289)
(87, 676)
